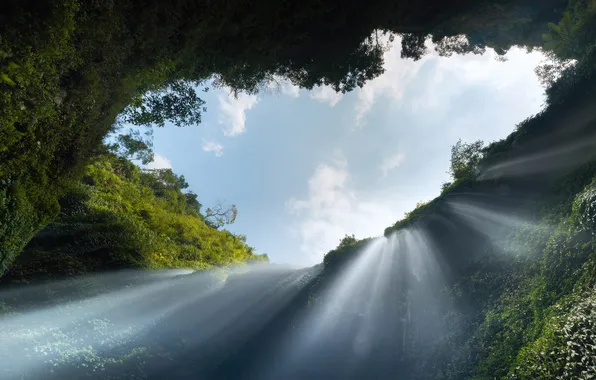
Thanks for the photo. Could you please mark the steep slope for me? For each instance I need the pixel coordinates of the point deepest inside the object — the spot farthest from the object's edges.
(493, 279)
(69, 68)
(514, 241)
(119, 216)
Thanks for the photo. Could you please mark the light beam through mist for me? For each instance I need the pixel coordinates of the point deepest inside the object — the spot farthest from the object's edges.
(383, 297)
(555, 158)
(362, 318)
(86, 332)
(492, 224)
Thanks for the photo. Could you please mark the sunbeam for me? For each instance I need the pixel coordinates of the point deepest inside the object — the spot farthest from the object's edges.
(555, 158)
(491, 223)
(57, 334)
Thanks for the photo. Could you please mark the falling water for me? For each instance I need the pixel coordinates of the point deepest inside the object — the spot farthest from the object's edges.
(263, 321)
(373, 316)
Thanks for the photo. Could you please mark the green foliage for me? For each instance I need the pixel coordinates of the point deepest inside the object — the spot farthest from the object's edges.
(177, 103)
(349, 247)
(120, 216)
(68, 69)
(29, 102)
(571, 49)
(347, 241)
(422, 210)
(413, 46)
(528, 304)
(445, 186)
(584, 209)
(132, 146)
(519, 336)
(220, 215)
(574, 34)
(566, 348)
(575, 79)
(465, 158)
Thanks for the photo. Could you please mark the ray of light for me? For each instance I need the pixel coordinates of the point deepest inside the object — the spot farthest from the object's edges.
(557, 157)
(494, 225)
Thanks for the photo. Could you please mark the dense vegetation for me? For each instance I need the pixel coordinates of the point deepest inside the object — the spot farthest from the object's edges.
(119, 216)
(69, 68)
(517, 301)
(524, 283)
(523, 291)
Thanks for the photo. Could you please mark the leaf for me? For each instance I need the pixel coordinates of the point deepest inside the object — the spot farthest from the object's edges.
(6, 79)
(554, 27)
(552, 45)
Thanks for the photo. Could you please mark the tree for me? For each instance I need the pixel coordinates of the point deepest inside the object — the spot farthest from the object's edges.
(465, 158)
(445, 186)
(167, 184)
(193, 202)
(551, 68)
(567, 41)
(78, 65)
(243, 44)
(575, 32)
(347, 241)
(413, 45)
(177, 103)
(220, 215)
(132, 146)
(460, 44)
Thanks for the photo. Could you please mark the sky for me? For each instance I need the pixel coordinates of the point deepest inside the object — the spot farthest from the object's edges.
(305, 168)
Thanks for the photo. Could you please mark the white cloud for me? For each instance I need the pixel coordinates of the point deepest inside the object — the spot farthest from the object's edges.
(233, 112)
(461, 71)
(212, 146)
(159, 162)
(454, 75)
(391, 162)
(284, 86)
(289, 89)
(392, 83)
(326, 94)
(333, 209)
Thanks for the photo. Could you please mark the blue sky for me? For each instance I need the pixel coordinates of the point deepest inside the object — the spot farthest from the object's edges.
(307, 167)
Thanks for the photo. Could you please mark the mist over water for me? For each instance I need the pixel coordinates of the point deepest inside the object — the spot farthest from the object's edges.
(381, 312)
(257, 322)
(378, 313)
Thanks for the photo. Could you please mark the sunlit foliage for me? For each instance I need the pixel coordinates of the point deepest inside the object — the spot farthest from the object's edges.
(529, 303)
(465, 158)
(121, 216)
(69, 69)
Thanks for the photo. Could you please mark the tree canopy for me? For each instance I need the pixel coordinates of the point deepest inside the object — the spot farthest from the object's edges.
(69, 69)
(513, 297)
(465, 158)
(220, 214)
